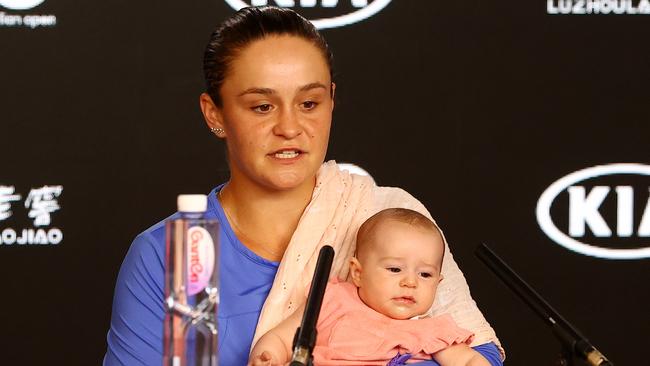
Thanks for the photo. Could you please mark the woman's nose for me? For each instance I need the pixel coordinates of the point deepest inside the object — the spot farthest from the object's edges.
(288, 124)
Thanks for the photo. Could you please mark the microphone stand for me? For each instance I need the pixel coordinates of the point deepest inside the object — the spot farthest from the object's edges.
(572, 342)
(305, 337)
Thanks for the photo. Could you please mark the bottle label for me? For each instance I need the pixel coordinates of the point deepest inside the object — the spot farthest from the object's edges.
(200, 259)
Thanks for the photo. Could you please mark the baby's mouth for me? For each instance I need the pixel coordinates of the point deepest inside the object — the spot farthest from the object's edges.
(405, 299)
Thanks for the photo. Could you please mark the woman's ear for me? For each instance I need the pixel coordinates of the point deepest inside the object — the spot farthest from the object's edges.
(212, 114)
(332, 92)
(355, 271)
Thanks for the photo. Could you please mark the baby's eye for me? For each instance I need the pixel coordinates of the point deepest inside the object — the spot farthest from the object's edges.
(394, 269)
(426, 275)
(262, 108)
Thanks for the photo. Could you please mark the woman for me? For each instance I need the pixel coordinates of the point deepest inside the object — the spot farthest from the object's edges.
(270, 96)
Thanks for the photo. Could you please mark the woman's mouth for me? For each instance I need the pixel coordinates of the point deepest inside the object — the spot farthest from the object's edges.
(287, 154)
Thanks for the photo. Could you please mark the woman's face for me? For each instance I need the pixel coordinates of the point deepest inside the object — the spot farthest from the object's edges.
(277, 112)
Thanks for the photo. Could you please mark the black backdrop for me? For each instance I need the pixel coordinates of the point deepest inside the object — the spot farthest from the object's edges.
(473, 107)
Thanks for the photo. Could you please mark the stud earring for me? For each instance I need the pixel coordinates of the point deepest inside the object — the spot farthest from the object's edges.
(216, 131)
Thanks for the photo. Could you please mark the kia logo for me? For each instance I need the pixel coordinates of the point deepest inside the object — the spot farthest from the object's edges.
(364, 11)
(584, 212)
(20, 4)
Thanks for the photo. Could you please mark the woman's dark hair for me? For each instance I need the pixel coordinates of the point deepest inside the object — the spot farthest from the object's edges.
(246, 26)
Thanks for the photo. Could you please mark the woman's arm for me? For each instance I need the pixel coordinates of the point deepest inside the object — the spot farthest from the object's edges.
(135, 334)
(491, 353)
(460, 355)
(488, 350)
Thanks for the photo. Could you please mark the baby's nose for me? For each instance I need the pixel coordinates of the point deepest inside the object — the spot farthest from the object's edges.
(408, 281)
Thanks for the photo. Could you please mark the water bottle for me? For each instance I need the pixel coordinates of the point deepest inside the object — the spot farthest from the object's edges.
(191, 285)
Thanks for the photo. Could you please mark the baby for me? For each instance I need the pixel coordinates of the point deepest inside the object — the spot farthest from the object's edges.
(394, 276)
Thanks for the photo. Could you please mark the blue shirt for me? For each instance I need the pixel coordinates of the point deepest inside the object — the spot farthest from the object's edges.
(136, 331)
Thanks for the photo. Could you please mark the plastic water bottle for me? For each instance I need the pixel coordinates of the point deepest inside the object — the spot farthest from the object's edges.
(191, 286)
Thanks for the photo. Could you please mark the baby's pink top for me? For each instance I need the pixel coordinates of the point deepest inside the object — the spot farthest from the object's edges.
(351, 333)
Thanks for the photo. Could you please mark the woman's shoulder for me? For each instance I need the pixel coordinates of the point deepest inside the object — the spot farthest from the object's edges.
(146, 253)
(153, 238)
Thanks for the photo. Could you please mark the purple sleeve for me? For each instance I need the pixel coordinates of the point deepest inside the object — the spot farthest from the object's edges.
(135, 334)
(487, 350)
(490, 352)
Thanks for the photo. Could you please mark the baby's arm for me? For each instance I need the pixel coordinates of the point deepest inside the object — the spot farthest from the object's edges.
(274, 347)
(460, 355)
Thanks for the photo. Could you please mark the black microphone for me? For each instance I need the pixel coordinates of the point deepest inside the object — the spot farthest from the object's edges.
(572, 341)
(305, 338)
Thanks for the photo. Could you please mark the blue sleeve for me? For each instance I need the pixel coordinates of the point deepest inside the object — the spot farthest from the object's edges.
(135, 334)
(490, 352)
(487, 350)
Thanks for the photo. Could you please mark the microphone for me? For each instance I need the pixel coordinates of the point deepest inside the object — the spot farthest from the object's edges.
(572, 341)
(305, 337)
(591, 354)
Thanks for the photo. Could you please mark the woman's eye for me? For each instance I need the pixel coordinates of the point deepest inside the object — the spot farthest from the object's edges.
(309, 105)
(394, 269)
(426, 275)
(262, 108)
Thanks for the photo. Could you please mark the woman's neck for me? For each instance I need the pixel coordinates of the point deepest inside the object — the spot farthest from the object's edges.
(264, 220)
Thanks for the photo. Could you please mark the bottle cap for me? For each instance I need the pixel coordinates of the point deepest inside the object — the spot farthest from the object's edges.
(192, 202)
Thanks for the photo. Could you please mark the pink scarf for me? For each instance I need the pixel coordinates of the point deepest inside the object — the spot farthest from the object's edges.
(340, 203)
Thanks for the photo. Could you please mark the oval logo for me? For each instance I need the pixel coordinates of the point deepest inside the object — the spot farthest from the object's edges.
(587, 206)
(353, 169)
(365, 11)
(200, 259)
(20, 4)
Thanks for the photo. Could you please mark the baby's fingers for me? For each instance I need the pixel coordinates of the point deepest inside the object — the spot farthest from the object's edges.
(265, 356)
(263, 359)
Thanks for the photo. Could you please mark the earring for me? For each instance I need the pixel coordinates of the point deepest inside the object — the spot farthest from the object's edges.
(216, 131)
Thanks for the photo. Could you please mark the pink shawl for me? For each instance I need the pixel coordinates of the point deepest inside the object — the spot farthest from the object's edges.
(340, 203)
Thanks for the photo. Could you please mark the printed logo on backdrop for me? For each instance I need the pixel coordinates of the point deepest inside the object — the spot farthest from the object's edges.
(354, 169)
(593, 7)
(331, 13)
(602, 211)
(26, 219)
(18, 18)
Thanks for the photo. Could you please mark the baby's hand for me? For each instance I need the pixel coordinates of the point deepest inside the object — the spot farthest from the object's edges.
(263, 359)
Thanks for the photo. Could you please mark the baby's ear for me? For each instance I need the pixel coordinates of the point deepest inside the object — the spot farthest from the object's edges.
(355, 271)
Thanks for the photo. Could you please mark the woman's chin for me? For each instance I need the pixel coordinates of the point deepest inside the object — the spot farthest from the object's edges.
(289, 180)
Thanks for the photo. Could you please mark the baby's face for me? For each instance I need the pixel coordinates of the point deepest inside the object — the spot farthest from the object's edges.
(400, 271)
